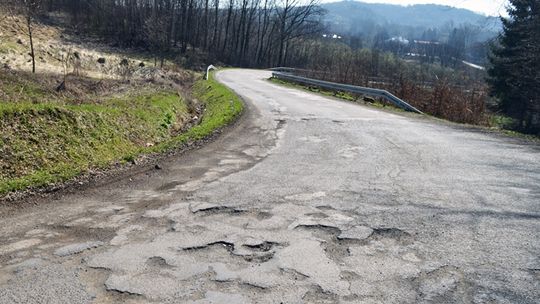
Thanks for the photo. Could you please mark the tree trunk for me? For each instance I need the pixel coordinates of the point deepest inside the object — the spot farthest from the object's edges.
(281, 49)
(172, 37)
(216, 38)
(205, 30)
(32, 54)
(229, 13)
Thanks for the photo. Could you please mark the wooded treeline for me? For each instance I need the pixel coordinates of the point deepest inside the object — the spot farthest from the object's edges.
(456, 95)
(251, 33)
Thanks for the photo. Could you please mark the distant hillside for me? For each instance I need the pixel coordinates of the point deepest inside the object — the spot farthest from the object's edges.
(358, 17)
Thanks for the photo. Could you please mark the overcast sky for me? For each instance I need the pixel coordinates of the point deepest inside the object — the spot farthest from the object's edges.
(487, 7)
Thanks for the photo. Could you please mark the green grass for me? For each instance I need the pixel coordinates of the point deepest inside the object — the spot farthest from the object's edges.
(501, 121)
(7, 46)
(47, 142)
(222, 108)
(506, 125)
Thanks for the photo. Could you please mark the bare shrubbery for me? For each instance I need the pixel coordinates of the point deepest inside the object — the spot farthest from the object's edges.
(125, 70)
(443, 99)
(456, 95)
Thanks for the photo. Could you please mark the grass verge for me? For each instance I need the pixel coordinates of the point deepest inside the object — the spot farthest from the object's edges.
(222, 106)
(337, 94)
(44, 142)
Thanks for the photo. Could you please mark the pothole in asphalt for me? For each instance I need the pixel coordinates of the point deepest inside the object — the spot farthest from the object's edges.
(122, 296)
(221, 210)
(259, 258)
(262, 247)
(221, 244)
(446, 282)
(362, 235)
(263, 215)
(84, 233)
(168, 186)
(280, 123)
(256, 288)
(325, 208)
(253, 253)
(209, 209)
(319, 215)
(349, 275)
(158, 262)
(293, 274)
(392, 233)
(235, 285)
(356, 235)
(333, 248)
(76, 248)
(320, 230)
(317, 295)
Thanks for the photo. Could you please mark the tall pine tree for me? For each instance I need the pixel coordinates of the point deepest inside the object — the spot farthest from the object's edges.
(515, 73)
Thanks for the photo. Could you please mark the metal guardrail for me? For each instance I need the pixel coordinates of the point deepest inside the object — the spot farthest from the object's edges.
(344, 88)
(288, 70)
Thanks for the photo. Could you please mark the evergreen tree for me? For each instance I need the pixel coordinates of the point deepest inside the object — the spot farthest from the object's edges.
(515, 73)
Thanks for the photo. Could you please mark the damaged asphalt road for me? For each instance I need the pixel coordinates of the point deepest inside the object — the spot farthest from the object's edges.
(305, 200)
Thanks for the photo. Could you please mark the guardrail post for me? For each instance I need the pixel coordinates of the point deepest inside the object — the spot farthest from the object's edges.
(210, 67)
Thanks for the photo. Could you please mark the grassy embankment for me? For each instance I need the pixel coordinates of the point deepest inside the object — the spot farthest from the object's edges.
(338, 94)
(47, 139)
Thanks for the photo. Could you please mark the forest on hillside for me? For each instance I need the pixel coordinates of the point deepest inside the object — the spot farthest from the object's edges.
(431, 73)
(252, 33)
(404, 29)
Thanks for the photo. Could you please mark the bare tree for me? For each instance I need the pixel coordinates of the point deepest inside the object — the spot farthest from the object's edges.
(29, 9)
(157, 35)
(295, 19)
(240, 32)
(66, 60)
(217, 32)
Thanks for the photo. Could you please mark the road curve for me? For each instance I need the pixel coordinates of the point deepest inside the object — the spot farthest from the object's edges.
(306, 200)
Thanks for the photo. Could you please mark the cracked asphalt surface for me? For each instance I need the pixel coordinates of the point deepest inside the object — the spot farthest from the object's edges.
(305, 200)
